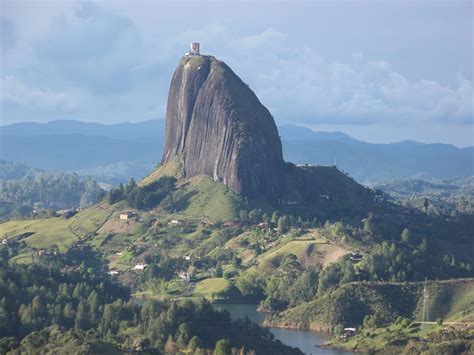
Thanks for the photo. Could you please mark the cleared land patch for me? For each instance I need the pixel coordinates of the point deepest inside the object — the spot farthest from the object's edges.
(308, 252)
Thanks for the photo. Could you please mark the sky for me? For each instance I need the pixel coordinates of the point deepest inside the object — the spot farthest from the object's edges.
(380, 71)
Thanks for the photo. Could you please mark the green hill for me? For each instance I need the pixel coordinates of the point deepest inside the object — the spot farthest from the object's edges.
(450, 300)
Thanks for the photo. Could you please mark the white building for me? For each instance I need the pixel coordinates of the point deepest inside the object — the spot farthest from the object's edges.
(194, 48)
(186, 276)
(139, 267)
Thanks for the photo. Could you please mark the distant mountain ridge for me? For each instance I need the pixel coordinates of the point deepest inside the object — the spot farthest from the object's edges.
(126, 130)
(98, 149)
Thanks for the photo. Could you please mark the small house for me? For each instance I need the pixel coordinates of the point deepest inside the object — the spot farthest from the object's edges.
(231, 224)
(175, 222)
(113, 272)
(349, 332)
(187, 257)
(140, 266)
(127, 215)
(356, 256)
(5, 241)
(186, 276)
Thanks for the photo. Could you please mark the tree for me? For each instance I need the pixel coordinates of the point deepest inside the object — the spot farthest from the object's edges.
(244, 216)
(283, 224)
(170, 346)
(255, 215)
(82, 316)
(426, 204)
(183, 335)
(367, 222)
(338, 330)
(303, 289)
(250, 283)
(406, 236)
(194, 344)
(275, 217)
(223, 347)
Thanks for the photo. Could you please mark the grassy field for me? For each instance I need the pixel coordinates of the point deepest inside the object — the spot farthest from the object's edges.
(201, 197)
(209, 287)
(172, 168)
(308, 252)
(44, 233)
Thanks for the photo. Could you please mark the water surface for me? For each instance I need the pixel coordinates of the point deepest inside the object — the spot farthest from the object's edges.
(306, 340)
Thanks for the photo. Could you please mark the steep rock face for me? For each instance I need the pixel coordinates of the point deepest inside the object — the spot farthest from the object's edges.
(217, 125)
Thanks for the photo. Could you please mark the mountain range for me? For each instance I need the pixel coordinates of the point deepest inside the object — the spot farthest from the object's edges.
(116, 152)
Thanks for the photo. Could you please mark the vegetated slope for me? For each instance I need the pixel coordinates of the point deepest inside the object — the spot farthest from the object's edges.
(201, 197)
(323, 191)
(46, 233)
(454, 187)
(10, 170)
(23, 188)
(443, 197)
(450, 300)
(309, 253)
(370, 163)
(220, 129)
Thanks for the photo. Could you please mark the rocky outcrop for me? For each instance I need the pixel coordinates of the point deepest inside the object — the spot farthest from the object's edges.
(218, 127)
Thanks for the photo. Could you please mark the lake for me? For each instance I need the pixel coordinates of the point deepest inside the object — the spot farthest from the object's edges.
(305, 340)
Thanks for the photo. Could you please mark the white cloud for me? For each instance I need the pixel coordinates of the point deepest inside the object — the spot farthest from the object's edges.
(299, 84)
(13, 91)
(120, 58)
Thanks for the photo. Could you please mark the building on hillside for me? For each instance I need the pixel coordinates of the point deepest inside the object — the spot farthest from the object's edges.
(231, 224)
(113, 272)
(186, 276)
(127, 215)
(139, 266)
(356, 256)
(349, 332)
(175, 222)
(5, 241)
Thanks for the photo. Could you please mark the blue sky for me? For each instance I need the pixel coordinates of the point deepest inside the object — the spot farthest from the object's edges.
(381, 71)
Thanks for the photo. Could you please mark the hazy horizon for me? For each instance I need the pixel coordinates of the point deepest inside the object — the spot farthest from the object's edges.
(278, 125)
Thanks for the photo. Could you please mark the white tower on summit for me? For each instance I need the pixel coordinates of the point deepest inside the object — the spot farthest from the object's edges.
(194, 48)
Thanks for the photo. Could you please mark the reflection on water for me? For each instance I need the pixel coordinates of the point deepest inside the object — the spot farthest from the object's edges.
(305, 340)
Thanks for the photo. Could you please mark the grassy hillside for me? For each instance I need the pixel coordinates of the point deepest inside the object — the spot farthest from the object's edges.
(201, 197)
(450, 300)
(172, 168)
(45, 233)
(308, 252)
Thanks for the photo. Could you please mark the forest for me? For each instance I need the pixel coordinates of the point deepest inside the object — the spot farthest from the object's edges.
(50, 305)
